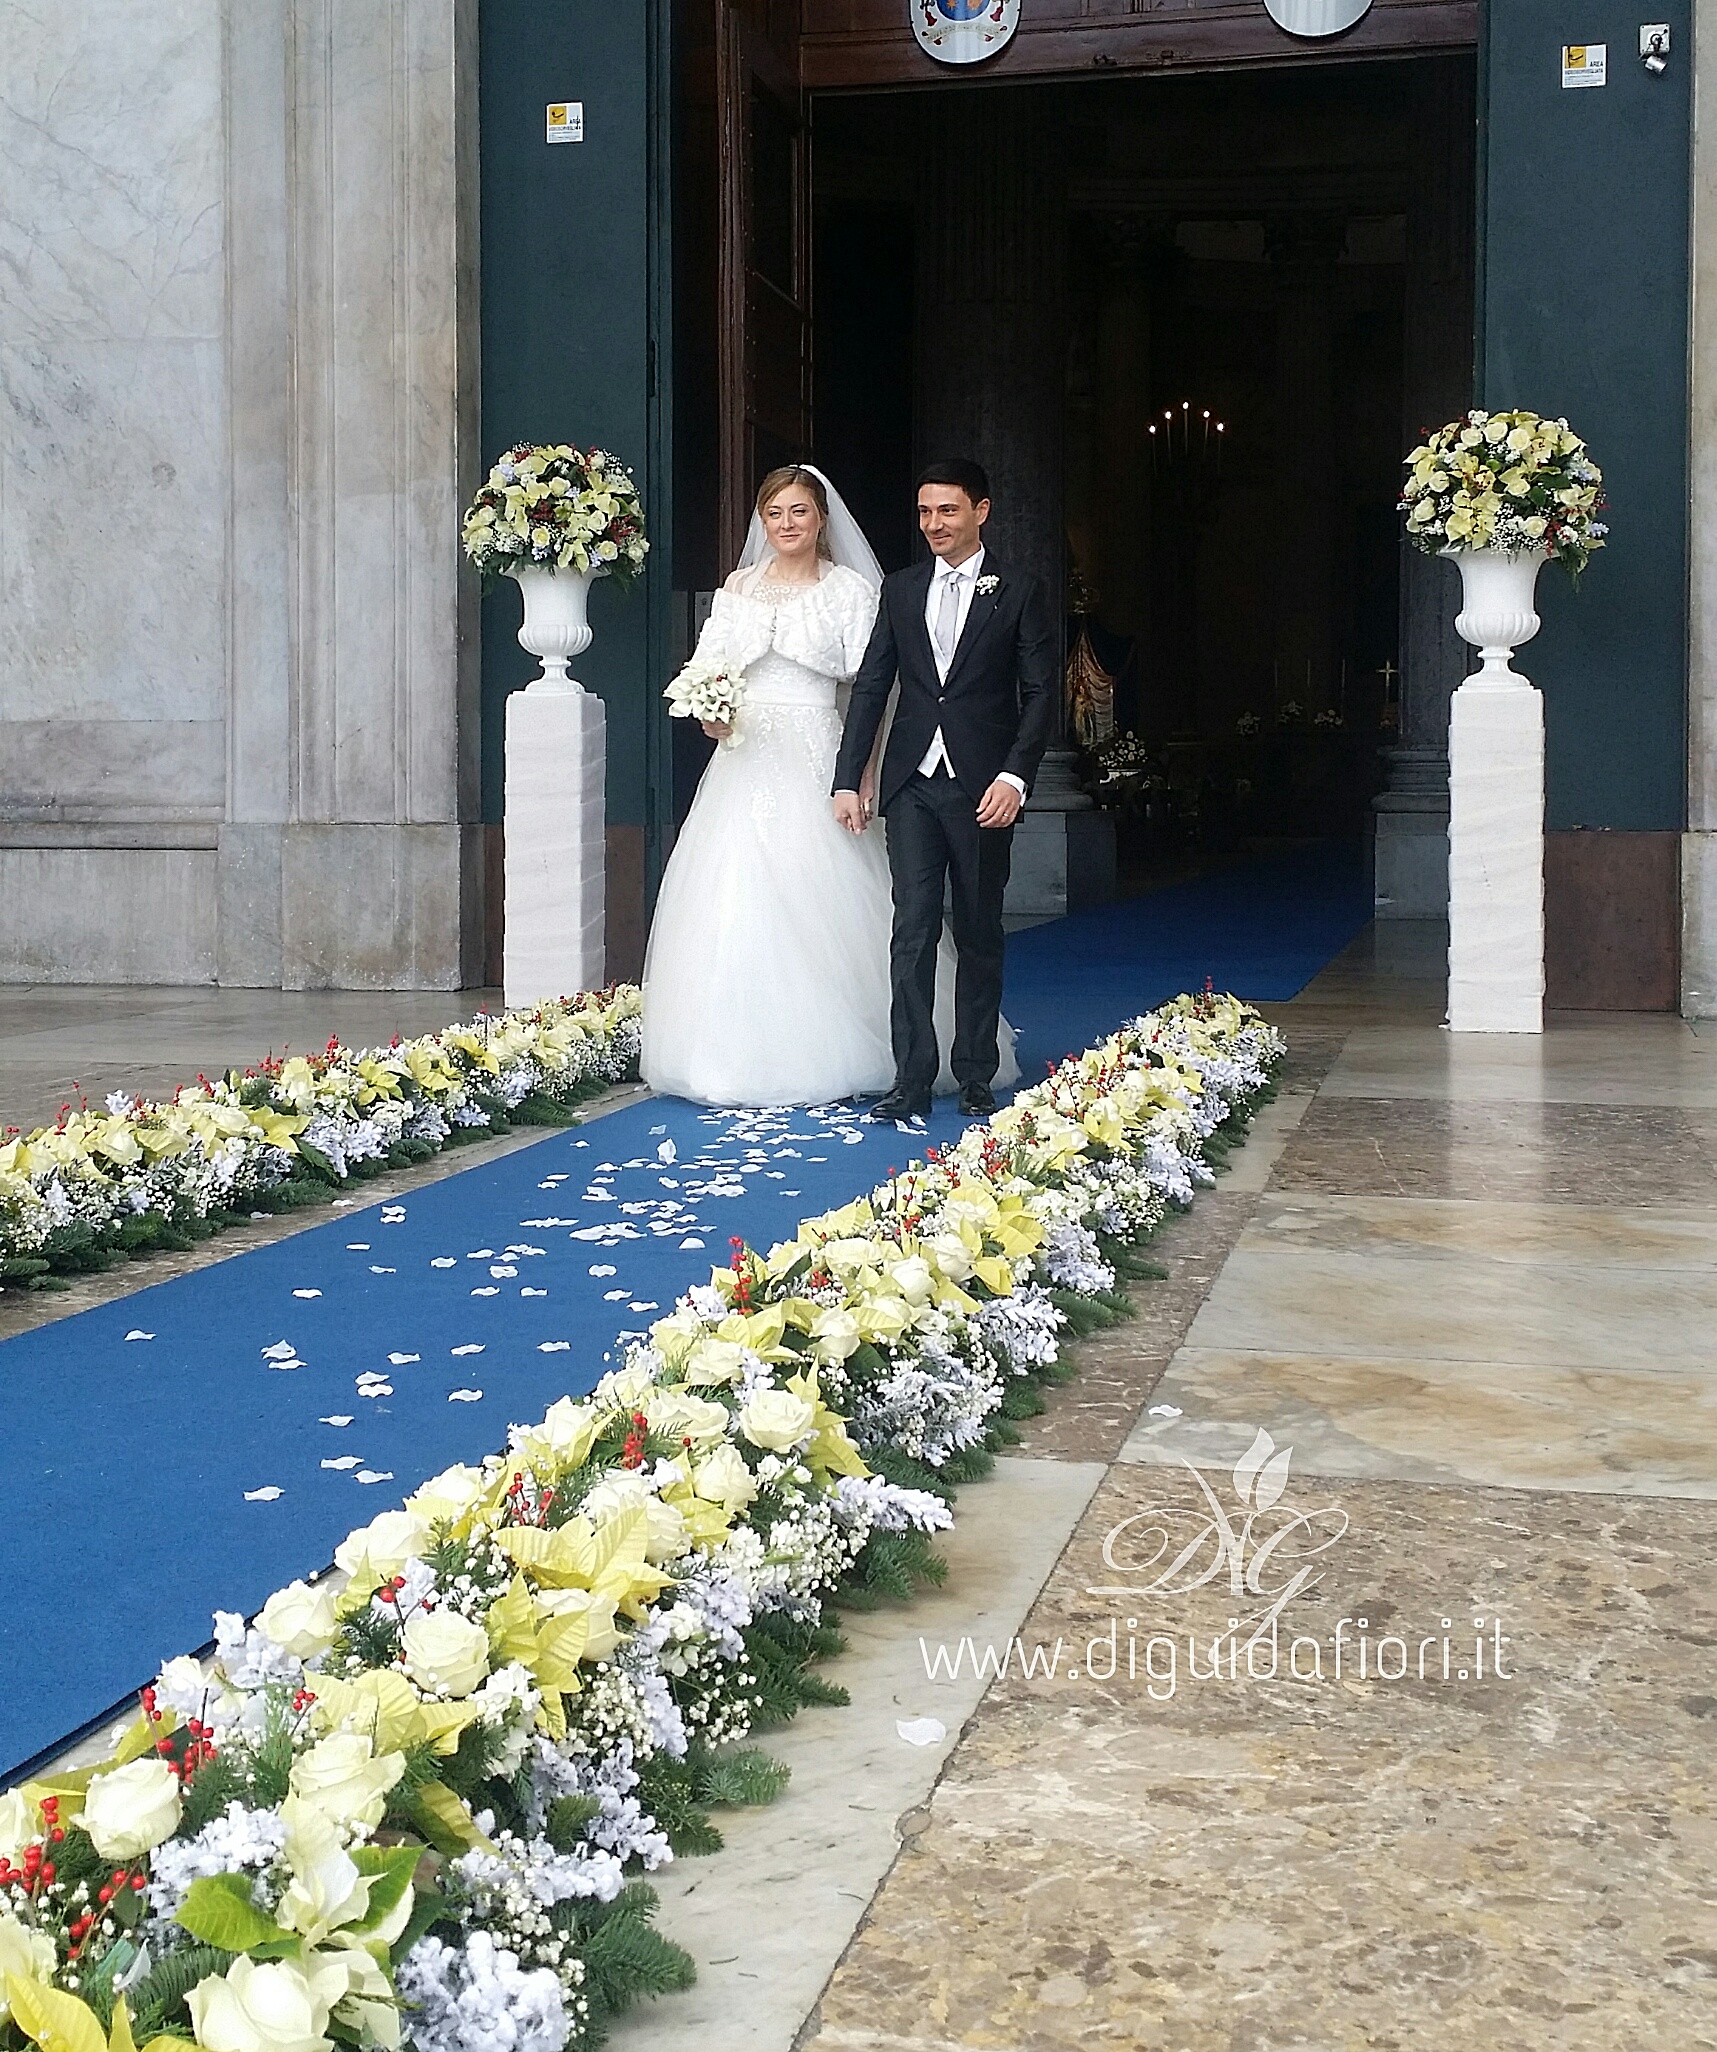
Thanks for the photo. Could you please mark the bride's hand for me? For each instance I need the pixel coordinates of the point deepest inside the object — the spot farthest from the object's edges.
(717, 730)
(850, 812)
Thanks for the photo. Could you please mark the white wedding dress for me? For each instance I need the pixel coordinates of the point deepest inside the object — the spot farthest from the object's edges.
(766, 980)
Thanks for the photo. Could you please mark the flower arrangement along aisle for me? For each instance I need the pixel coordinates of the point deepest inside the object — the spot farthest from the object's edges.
(557, 507)
(100, 1185)
(416, 1803)
(1507, 481)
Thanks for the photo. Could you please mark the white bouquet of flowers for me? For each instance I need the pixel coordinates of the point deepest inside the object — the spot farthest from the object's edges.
(1510, 481)
(712, 691)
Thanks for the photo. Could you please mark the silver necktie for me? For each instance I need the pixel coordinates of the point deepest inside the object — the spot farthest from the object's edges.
(947, 622)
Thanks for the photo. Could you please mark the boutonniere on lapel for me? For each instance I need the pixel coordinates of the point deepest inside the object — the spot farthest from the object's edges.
(986, 584)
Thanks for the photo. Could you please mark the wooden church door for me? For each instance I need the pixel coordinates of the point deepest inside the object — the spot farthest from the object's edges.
(764, 354)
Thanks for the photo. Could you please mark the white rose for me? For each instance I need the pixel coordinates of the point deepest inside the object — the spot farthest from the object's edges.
(446, 1652)
(568, 1428)
(680, 1415)
(722, 1477)
(665, 1529)
(598, 1612)
(343, 1777)
(259, 2007)
(834, 1335)
(130, 1810)
(776, 1419)
(299, 1619)
(447, 1495)
(383, 1546)
(715, 1361)
(20, 1825)
(952, 1256)
(913, 1279)
(29, 1954)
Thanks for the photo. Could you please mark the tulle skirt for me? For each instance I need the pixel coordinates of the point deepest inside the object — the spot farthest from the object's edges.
(766, 979)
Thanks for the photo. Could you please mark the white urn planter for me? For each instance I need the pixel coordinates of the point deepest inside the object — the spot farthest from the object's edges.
(556, 780)
(557, 623)
(1496, 806)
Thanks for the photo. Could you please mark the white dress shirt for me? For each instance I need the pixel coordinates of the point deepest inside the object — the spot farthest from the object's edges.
(963, 577)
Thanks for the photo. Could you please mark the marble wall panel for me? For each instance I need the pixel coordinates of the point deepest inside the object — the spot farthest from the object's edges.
(383, 270)
(112, 435)
(373, 907)
(107, 915)
(136, 769)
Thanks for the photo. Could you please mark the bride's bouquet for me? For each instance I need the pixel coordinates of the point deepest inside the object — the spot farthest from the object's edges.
(711, 691)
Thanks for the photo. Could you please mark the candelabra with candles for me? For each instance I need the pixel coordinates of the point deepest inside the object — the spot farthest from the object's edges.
(1176, 451)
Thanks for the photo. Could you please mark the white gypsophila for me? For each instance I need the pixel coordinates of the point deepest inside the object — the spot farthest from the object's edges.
(1025, 1326)
(930, 1405)
(708, 1303)
(416, 1591)
(886, 1507)
(614, 1706)
(249, 1660)
(722, 1603)
(1072, 1260)
(621, 1825)
(239, 1841)
(522, 1876)
(507, 1702)
(476, 1997)
(464, 1114)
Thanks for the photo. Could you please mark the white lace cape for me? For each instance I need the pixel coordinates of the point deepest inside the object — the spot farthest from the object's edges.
(825, 630)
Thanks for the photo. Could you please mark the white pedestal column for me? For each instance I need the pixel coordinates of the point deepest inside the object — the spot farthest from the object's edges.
(556, 816)
(1496, 857)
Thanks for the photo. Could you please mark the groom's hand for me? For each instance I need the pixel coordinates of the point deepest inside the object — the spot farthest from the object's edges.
(850, 812)
(1000, 804)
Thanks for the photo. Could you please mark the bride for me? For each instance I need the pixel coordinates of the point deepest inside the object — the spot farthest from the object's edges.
(766, 979)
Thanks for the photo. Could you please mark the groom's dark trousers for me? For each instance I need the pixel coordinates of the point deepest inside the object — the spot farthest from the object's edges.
(995, 710)
(933, 834)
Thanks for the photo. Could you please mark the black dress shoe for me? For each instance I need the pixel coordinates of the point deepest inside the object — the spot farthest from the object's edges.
(899, 1106)
(977, 1100)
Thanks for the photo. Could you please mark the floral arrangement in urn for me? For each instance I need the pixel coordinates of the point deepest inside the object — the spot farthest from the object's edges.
(557, 507)
(1513, 482)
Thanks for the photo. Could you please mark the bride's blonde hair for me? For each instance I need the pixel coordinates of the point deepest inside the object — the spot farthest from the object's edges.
(795, 474)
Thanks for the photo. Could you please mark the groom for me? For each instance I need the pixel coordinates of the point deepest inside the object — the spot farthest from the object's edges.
(974, 648)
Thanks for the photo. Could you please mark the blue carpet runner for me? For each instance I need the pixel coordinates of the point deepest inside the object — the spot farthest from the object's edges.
(199, 1443)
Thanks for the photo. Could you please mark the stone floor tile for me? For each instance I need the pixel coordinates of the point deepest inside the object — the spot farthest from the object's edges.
(1255, 1865)
(1550, 1153)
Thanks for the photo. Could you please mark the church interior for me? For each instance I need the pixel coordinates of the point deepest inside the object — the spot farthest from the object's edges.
(1187, 323)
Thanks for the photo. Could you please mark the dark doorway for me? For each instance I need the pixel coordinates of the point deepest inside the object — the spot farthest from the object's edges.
(1224, 283)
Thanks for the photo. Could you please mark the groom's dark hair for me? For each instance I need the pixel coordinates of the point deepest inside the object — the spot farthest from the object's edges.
(972, 478)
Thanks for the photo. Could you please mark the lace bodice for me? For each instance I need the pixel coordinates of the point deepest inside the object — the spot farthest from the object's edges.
(794, 643)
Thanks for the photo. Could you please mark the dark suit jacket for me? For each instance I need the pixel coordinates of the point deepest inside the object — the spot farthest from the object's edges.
(997, 708)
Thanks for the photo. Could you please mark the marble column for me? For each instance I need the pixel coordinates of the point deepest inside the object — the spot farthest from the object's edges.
(237, 350)
(378, 873)
(1411, 878)
(1699, 842)
(1303, 250)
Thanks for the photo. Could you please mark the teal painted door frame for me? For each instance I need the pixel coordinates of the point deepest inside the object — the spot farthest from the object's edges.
(576, 272)
(1584, 307)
